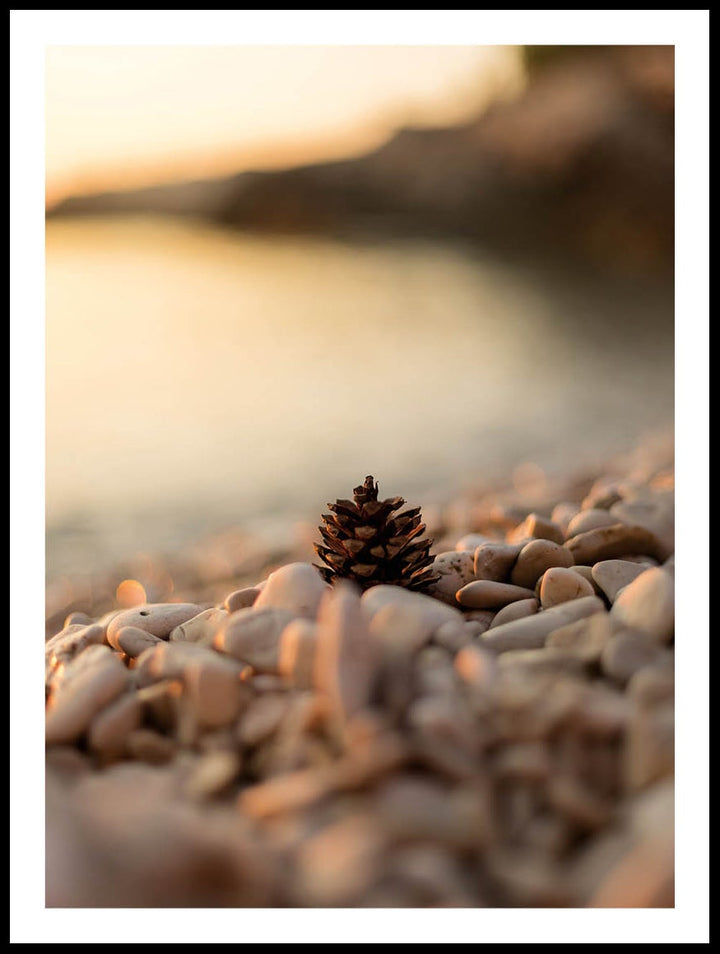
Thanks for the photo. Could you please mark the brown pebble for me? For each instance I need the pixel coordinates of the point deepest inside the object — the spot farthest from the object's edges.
(532, 631)
(610, 543)
(535, 558)
(536, 527)
(587, 574)
(648, 604)
(591, 519)
(494, 561)
(518, 610)
(487, 594)
(612, 575)
(560, 584)
(455, 568)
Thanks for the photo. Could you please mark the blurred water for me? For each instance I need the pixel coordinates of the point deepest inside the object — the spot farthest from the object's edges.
(199, 378)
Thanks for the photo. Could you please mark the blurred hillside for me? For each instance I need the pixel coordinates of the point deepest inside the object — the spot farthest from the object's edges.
(580, 166)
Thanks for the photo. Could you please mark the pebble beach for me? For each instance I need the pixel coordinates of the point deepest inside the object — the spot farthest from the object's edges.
(225, 729)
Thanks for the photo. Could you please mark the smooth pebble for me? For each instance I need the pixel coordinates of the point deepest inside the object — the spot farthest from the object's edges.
(487, 594)
(295, 587)
(535, 558)
(455, 568)
(648, 604)
(560, 584)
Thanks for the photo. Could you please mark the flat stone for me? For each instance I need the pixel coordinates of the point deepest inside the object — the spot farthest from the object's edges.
(610, 543)
(297, 652)
(241, 599)
(535, 558)
(455, 568)
(537, 528)
(494, 561)
(612, 575)
(648, 604)
(201, 628)
(487, 594)
(518, 610)
(296, 587)
(252, 635)
(560, 584)
(532, 631)
(156, 618)
(433, 612)
(133, 641)
(591, 519)
(347, 656)
(76, 704)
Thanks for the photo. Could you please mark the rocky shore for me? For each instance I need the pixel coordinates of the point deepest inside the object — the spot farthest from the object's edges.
(223, 728)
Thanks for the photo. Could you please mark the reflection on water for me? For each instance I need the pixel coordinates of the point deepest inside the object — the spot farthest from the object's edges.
(196, 377)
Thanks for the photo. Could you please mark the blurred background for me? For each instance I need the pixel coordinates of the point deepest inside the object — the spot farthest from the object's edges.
(271, 271)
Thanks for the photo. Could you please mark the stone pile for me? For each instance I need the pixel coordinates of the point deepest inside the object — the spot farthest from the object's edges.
(505, 739)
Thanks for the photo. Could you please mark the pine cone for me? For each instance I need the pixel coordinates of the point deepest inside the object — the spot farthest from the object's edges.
(367, 545)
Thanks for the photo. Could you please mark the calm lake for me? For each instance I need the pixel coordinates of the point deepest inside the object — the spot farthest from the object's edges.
(198, 379)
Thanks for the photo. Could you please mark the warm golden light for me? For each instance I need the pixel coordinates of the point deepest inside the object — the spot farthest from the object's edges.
(130, 593)
(127, 116)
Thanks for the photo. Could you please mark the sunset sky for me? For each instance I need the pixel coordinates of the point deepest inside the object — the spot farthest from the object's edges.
(126, 116)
